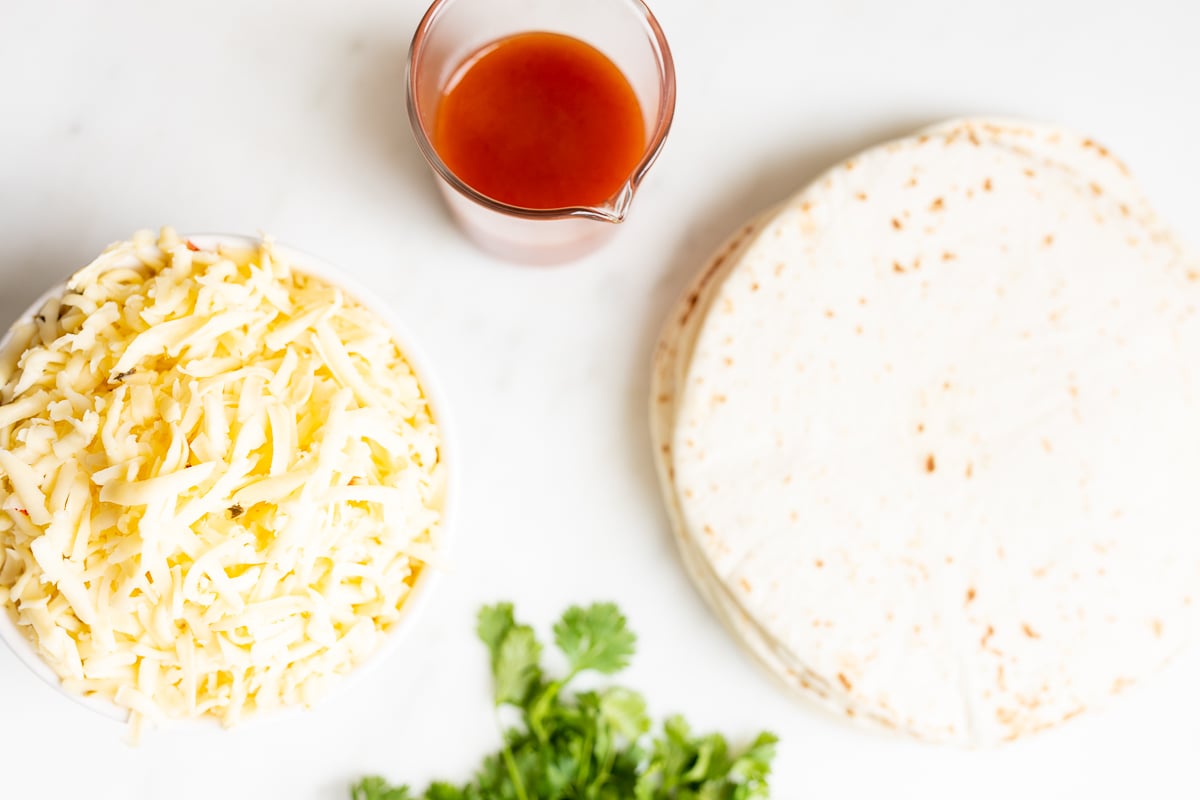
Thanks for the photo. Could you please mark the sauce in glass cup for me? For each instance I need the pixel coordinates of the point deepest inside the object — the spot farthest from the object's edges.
(540, 119)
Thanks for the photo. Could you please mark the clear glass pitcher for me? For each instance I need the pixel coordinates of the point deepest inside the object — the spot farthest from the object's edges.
(624, 30)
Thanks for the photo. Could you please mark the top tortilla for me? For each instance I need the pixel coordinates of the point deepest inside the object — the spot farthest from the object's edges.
(934, 431)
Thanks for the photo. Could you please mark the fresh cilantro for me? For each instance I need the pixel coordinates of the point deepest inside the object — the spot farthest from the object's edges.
(588, 745)
(595, 638)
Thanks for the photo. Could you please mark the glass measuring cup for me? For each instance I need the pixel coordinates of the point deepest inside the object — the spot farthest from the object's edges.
(624, 30)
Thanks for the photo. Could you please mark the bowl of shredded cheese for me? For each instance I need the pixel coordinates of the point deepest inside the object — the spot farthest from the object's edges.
(224, 481)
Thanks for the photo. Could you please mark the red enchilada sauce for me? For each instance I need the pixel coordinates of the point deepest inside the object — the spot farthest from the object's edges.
(540, 120)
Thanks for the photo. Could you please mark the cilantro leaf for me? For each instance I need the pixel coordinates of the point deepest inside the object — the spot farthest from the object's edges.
(516, 669)
(625, 712)
(376, 788)
(494, 624)
(595, 638)
(751, 769)
(445, 791)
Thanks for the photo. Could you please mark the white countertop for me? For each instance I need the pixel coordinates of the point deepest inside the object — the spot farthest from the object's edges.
(288, 117)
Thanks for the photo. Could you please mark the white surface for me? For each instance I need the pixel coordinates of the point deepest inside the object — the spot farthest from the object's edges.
(289, 117)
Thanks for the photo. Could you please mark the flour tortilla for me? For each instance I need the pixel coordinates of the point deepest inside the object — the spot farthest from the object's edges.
(1024, 318)
(674, 352)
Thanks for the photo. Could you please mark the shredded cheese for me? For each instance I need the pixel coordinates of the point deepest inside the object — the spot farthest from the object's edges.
(219, 481)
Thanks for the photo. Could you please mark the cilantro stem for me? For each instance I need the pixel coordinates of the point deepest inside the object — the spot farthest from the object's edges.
(585, 763)
(513, 772)
(610, 758)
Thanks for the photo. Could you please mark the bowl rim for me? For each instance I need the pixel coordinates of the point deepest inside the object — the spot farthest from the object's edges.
(431, 574)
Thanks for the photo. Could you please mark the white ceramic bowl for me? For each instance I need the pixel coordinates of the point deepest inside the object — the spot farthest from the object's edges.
(23, 648)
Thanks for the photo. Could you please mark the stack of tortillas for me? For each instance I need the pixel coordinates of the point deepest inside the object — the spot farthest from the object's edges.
(930, 434)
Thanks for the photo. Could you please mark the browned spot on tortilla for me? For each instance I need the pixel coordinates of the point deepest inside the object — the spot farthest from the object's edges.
(666, 448)
(897, 224)
(930, 464)
(779, 268)
(829, 313)
(842, 679)
(858, 329)
(972, 137)
(1193, 275)
(787, 479)
(1124, 210)
(1001, 684)
(1158, 627)
(920, 427)
(728, 361)
(719, 398)
(970, 470)
(1030, 632)
(849, 712)
(948, 256)
(1096, 189)
(862, 301)
(1121, 684)
(754, 286)
(986, 636)
(688, 493)
(937, 205)
(1073, 390)
(861, 196)
(923, 138)
(911, 182)
(793, 516)
(819, 564)
(970, 595)
(1049, 240)
(896, 267)
(917, 630)
(1047, 446)
(806, 206)
(664, 398)
(745, 584)
(946, 386)
(1030, 173)
(689, 306)
(850, 165)
(709, 531)
(987, 184)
